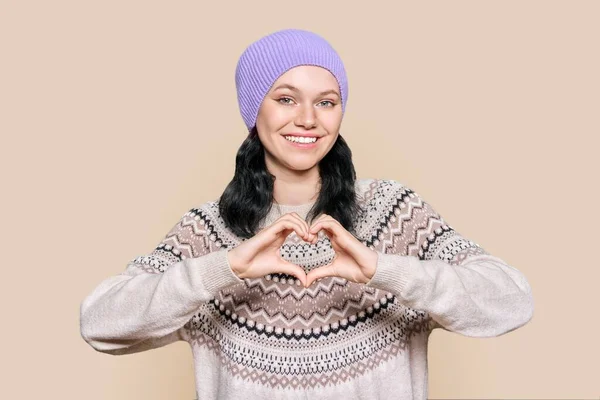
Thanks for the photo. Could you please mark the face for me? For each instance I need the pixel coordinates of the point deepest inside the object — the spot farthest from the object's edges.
(304, 101)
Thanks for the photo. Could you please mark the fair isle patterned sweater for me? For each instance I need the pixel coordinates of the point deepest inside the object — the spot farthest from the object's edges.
(271, 338)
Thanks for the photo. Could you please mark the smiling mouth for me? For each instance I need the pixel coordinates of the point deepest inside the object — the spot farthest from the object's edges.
(301, 139)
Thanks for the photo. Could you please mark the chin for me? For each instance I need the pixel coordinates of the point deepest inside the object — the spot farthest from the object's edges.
(301, 166)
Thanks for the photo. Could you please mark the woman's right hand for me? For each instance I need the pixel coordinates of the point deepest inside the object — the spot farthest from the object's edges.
(260, 255)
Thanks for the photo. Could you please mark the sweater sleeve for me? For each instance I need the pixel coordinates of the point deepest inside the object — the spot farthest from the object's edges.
(145, 306)
(431, 267)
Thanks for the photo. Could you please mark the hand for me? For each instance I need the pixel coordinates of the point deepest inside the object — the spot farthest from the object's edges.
(260, 255)
(353, 260)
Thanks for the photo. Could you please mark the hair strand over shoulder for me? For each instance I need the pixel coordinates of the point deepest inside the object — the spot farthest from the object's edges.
(248, 198)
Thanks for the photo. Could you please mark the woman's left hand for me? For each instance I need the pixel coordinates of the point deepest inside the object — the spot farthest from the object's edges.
(353, 260)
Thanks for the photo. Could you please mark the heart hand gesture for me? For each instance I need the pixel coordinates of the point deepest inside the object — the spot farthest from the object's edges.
(353, 260)
(260, 255)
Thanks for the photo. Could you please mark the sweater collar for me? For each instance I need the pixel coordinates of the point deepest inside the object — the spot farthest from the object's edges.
(277, 210)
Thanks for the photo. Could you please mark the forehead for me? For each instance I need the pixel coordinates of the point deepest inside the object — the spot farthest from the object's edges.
(308, 78)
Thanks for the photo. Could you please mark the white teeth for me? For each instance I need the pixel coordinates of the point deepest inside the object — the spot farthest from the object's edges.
(301, 139)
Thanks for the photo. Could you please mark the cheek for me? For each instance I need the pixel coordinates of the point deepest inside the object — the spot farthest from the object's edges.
(332, 120)
(273, 116)
(332, 127)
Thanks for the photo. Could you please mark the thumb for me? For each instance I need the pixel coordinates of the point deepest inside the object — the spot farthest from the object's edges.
(317, 273)
(292, 269)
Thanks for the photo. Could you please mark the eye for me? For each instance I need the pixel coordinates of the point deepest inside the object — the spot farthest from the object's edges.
(331, 104)
(282, 100)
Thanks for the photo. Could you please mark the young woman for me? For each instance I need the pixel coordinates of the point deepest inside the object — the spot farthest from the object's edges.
(301, 282)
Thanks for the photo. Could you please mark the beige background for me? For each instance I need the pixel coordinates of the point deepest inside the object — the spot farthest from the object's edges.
(119, 116)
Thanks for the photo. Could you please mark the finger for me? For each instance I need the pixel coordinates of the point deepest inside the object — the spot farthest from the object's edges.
(315, 232)
(318, 273)
(296, 218)
(292, 269)
(323, 217)
(302, 222)
(330, 224)
(310, 237)
(319, 218)
(278, 231)
(339, 237)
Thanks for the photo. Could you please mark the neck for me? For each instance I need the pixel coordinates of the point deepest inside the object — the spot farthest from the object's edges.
(296, 188)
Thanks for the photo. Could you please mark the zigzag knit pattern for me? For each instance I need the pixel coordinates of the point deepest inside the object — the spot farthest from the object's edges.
(271, 337)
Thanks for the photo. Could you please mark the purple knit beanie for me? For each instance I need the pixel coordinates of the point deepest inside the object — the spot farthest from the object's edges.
(265, 60)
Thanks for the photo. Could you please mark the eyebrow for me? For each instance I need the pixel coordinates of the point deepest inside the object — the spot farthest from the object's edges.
(295, 89)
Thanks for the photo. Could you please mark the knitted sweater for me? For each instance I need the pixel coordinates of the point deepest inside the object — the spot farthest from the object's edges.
(271, 338)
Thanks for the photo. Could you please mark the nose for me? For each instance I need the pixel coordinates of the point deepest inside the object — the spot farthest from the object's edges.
(306, 117)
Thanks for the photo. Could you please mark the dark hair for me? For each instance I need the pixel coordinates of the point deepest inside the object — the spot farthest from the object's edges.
(248, 198)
